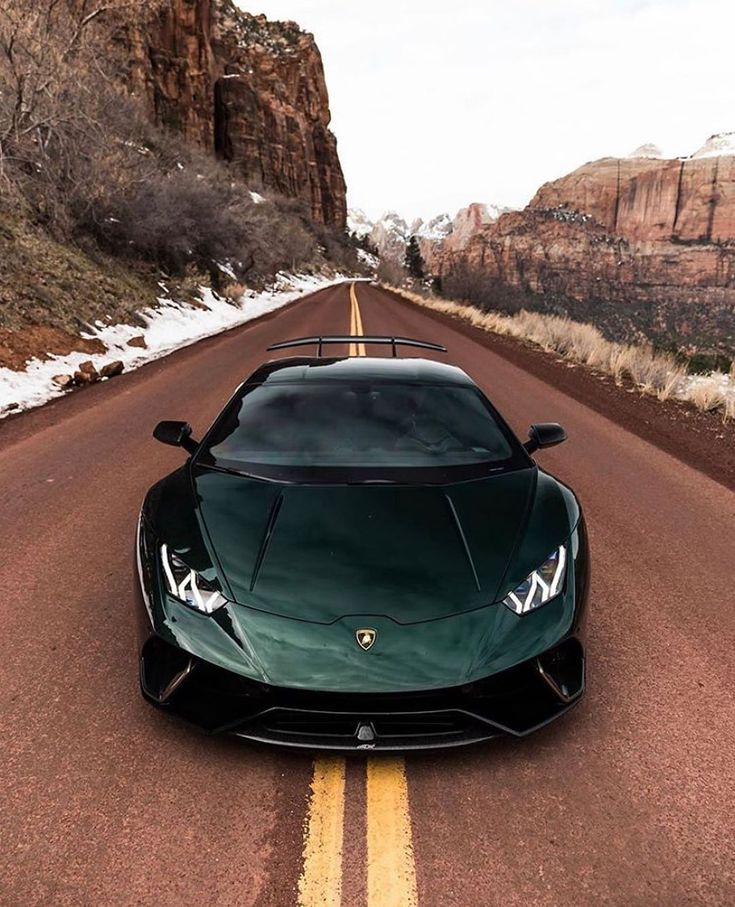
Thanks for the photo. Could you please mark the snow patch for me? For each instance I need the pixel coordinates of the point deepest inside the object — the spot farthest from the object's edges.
(226, 269)
(168, 327)
(717, 382)
(716, 145)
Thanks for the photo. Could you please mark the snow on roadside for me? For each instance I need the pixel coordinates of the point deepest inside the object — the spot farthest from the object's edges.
(168, 327)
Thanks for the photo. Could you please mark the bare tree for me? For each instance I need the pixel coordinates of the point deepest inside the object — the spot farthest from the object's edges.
(55, 86)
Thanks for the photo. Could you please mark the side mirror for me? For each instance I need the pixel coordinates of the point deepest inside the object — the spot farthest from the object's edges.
(544, 434)
(177, 434)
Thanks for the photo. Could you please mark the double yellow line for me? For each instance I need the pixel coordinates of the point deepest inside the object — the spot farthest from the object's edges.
(356, 330)
(391, 868)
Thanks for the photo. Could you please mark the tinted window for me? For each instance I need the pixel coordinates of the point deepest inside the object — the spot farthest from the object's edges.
(362, 425)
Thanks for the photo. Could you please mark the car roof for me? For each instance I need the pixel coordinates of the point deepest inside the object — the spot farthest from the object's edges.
(294, 370)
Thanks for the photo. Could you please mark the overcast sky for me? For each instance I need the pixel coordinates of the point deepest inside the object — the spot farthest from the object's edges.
(436, 104)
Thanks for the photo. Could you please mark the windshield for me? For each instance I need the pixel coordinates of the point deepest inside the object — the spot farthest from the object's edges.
(357, 426)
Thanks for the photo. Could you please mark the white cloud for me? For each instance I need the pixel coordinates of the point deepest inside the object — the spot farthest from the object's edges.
(435, 104)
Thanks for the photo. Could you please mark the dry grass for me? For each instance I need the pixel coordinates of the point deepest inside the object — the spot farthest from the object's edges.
(233, 292)
(707, 396)
(713, 393)
(652, 372)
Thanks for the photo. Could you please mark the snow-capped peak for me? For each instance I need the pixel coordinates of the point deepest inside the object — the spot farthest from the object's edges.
(436, 229)
(358, 223)
(391, 232)
(392, 221)
(648, 150)
(720, 144)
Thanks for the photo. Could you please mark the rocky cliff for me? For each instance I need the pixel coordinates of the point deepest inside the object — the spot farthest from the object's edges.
(691, 200)
(467, 223)
(643, 247)
(249, 90)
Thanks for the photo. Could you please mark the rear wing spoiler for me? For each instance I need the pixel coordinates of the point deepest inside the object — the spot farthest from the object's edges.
(394, 342)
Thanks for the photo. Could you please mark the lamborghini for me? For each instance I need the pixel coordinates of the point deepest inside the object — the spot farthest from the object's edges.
(359, 554)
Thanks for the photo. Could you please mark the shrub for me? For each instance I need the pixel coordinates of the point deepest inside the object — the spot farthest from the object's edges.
(473, 285)
(178, 218)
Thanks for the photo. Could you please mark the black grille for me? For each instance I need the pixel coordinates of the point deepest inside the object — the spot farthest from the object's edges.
(516, 701)
(379, 731)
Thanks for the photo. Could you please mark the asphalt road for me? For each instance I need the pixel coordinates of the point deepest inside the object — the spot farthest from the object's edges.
(627, 800)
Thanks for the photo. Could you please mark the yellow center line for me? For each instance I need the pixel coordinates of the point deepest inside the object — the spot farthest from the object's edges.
(353, 319)
(356, 328)
(320, 884)
(391, 876)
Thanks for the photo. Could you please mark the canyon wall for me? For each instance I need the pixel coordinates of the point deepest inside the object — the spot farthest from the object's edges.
(688, 200)
(250, 90)
(643, 247)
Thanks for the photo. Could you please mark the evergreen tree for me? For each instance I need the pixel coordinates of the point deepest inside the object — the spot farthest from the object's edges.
(414, 263)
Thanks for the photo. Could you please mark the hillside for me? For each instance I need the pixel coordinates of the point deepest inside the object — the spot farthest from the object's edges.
(150, 148)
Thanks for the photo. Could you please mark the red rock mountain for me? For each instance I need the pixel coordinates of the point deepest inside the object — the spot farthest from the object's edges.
(643, 246)
(689, 200)
(251, 90)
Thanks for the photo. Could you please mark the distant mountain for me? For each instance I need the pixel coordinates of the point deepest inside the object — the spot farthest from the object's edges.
(472, 219)
(391, 232)
(358, 223)
(390, 235)
(648, 150)
(437, 228)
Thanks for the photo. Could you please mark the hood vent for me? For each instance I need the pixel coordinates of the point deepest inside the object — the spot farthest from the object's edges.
(463, 539)
(265, 541)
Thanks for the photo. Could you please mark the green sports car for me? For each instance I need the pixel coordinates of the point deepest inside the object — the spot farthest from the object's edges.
(360, 554)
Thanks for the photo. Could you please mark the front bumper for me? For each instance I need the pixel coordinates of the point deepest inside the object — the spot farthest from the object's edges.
(513, 702)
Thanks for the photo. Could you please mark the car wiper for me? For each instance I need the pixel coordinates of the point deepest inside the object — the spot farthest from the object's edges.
(228, 470)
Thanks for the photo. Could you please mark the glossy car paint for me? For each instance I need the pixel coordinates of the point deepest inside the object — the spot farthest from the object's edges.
(426, 566)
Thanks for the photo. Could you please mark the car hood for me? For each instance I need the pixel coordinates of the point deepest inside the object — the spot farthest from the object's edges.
(408, 553)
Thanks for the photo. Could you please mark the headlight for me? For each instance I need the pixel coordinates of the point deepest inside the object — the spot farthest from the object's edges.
(541, 586)
(189, 586)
